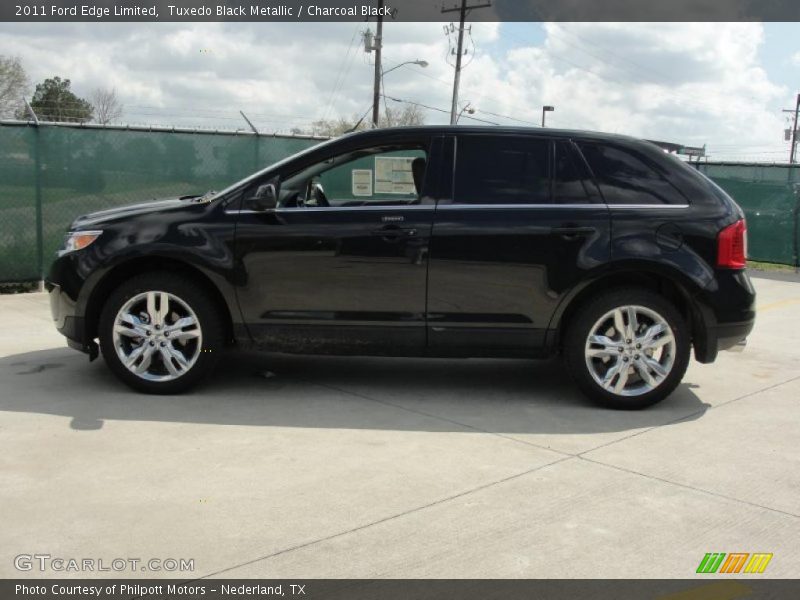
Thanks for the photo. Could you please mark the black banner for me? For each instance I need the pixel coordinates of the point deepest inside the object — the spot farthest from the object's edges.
(399, 10)
(714, 586)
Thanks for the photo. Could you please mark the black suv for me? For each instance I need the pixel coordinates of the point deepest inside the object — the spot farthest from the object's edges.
(423, 241)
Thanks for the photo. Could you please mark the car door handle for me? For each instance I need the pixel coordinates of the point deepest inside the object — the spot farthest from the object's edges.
(393, 232)
(572, 233)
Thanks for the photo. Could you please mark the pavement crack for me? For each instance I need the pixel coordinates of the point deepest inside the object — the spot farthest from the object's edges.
(687, 416)
(388, 519)
(441, 418)
(689, 487)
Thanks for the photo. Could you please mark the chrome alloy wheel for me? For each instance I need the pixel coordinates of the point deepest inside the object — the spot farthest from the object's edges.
(157, 336)
(630, 350)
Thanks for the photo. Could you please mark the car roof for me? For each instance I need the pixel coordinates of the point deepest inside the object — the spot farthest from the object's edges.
(492, 129)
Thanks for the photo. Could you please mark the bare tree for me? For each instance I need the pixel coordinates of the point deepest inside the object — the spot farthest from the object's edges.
(337, 127)
(107, 107)
(410, 114)
(13, 86)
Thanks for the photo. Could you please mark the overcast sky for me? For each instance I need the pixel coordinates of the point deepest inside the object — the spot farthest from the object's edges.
(721, 84)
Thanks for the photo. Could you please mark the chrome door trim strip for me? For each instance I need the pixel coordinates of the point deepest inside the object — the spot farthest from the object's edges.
(508, 206)
(551, 206)
(301, 209)
(461, 207)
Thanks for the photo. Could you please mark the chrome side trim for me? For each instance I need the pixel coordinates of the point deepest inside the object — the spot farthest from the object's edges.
(508, 206)
(551, 206)
(462, 207)
(649, 206)
(301, 209)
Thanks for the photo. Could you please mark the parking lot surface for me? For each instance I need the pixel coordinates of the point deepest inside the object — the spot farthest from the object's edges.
(289, 467)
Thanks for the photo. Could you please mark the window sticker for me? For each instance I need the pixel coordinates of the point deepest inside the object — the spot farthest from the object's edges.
(393, 175)
(362, 182)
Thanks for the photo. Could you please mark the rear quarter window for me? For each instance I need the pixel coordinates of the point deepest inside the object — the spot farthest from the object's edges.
(626, 176)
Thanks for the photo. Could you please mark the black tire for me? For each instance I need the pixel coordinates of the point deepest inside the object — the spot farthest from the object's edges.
(194, 296)
(581, 326)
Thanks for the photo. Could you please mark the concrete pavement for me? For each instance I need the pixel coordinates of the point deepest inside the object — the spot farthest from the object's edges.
(285, 466)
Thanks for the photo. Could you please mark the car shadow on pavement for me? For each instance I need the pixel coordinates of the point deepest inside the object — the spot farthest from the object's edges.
(258, 389)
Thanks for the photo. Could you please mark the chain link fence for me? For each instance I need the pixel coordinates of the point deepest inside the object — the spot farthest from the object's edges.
(770, 198)
(52, 173)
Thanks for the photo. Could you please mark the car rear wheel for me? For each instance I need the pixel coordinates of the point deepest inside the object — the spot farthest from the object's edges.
(160, 333)
(628, 348)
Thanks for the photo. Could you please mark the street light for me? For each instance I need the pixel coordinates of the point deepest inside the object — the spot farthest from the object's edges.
(420, 63)
(468, 108)
(545, 110)
(379, 84)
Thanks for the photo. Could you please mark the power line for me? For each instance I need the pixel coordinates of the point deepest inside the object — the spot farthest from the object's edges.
(462, 10)
(344, 70)
(482, 96)
(437, 109)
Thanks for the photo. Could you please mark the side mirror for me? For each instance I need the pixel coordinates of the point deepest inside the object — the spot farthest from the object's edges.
(265, 198)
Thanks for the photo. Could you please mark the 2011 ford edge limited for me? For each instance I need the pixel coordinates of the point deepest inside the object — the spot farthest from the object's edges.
(423, 241)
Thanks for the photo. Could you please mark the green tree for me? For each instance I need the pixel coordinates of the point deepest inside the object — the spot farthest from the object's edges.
(54, 101)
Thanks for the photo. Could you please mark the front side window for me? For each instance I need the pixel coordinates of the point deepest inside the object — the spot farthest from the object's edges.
(502, 170)
(380, 176)
(626, 177)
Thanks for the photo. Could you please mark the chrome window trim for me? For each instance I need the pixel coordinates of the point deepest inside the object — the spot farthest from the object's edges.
(649, 206)
(577, 206)
(535, 206)
(292, 209)
(459, 207)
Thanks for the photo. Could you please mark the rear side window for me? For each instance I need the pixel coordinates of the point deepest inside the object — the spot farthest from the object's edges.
(626, 177)
(571, 182)
(502, 170)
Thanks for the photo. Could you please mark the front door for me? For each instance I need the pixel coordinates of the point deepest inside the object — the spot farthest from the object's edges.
(341, 264)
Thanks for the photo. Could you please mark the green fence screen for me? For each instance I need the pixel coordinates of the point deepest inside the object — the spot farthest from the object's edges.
(51, 174)
(64, 172)
(769, 196)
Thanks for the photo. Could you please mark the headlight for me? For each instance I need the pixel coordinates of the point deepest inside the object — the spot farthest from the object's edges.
(78, 240)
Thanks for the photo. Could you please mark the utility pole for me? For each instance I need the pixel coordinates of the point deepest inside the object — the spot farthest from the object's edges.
(460, 51)
(376, 86)
(794, 131)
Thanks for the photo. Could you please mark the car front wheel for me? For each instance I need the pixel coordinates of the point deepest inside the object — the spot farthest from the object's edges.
(628, 348)
(160, 333)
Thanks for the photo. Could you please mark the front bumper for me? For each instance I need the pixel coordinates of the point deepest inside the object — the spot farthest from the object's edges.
(67, 322)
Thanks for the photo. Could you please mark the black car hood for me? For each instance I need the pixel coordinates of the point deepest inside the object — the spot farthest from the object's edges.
(122, 212)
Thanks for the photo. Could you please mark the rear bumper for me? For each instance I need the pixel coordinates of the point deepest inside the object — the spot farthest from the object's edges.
(731, 335)
(721, 336)
(731, 319)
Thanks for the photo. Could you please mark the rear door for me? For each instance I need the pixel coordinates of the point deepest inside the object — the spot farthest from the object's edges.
(523, 224)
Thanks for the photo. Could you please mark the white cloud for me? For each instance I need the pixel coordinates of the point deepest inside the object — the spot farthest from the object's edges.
(686, 82)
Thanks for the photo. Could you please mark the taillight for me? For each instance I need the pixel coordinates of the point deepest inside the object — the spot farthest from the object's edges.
(732, 246)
